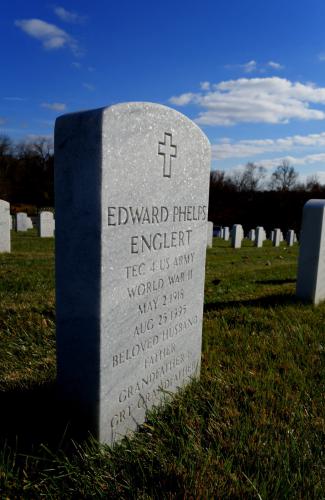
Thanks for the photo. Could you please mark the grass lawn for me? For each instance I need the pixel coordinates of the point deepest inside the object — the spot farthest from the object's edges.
(252, 427)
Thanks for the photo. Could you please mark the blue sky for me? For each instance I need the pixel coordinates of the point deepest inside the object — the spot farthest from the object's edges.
(251, 73)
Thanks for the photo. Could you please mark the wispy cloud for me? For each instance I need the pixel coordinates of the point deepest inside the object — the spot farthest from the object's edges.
(250, 66)
(69, 16)
(54, 106)
(3, 120)
(296, 161)
(226, 148)
(275, 65)
(89, 86)
(51, 36)
(205, 85)
(321, 56)
(14, 99)
(255, 100)
(253, 66)
(37, 137)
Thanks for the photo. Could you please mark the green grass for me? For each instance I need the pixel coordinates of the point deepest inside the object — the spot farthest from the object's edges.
(252, 427)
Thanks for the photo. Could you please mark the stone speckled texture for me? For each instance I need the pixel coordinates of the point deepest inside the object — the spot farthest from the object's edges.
(131, 233)
(5, 242)
(311, 263)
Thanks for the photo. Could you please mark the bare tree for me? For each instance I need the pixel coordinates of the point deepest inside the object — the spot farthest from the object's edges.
(313, 183)
(5, 146)
(221, 182)
(284, 177)
(250, 178)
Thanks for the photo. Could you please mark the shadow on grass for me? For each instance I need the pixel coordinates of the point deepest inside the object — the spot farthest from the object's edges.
(264, 302)
(33, 416)
(276, 282)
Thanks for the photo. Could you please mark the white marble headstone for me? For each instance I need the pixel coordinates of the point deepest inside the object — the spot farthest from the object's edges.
(290, 237)
(237, 235)
(21, 221)
(251, 235)
(311, 263)
(131, 190)
(46, 224)
(259, 236)
(210, 234)
(225, 233)
(5, 219)
(276, 237)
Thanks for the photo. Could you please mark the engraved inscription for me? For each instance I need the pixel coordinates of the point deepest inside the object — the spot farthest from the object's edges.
(158, 280)
(168, 150)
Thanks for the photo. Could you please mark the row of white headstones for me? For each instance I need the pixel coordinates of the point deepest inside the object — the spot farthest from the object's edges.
(257, 236)
(22, 222)
(311, 263)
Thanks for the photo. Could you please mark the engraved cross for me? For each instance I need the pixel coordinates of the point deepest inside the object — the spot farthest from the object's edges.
(168, 150)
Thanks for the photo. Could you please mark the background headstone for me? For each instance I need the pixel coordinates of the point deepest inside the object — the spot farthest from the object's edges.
(21, 221)
(311, 263)
(225, 233)
(290, 237)
(276, 237)
(29, 223)
(251, 235)
(46, 225)
(5, 218)
(131, 234)
(259, 236)
(237, 235)
(210, 234)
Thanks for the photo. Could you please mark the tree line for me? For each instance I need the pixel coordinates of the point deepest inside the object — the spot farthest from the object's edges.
(27, 171)
(247, 196)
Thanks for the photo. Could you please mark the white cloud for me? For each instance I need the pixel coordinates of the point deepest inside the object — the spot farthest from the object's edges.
(38, 137)
(275, 65)
(250, 66)
(50, 35)
(225, 148)
(321, 56)
(255, 100)
(295, 161)
(253, 66)
(184, 99)
(68, 16)
(76, 65)
(205, 85)
(54, 106)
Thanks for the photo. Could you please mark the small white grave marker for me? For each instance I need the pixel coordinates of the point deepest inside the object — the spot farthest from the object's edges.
(210, 234)
(21, 221)
(46, 224)
(5, 218)
(237, 235)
